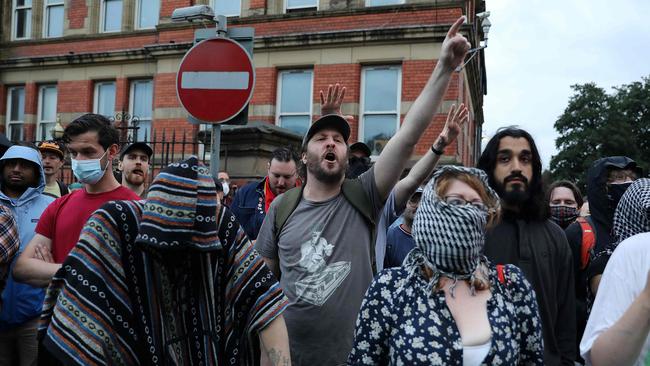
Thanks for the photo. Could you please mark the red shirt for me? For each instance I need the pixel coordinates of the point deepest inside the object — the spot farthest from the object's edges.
(64, 218)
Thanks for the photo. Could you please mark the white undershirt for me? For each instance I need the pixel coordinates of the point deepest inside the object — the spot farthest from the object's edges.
(474, 355)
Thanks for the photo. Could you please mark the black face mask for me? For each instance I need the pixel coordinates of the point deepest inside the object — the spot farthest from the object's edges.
(564, 215)
(357, 166)
(615, 192)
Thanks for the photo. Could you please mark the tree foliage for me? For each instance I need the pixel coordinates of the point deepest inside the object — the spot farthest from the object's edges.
(597, 124)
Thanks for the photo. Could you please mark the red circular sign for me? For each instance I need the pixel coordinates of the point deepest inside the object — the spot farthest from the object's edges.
(215, 80)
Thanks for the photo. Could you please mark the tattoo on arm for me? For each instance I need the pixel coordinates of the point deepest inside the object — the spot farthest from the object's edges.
(277, 358)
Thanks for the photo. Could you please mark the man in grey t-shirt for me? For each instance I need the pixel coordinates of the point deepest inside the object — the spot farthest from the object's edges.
(323, 253)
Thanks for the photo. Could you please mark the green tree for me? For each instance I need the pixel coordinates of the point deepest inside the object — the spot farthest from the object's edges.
(596, 124)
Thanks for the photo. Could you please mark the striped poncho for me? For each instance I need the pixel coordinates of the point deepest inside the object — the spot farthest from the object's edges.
(127, 298)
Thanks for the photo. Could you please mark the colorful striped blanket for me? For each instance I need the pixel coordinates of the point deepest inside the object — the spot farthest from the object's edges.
(117, 301)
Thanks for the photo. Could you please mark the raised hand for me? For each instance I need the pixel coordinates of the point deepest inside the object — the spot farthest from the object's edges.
(455, 120)
(332, 103)
(455, 46)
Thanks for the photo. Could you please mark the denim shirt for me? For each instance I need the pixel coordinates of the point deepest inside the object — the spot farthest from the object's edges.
(248, 207)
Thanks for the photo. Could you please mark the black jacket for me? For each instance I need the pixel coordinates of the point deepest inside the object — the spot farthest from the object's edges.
(540, 249)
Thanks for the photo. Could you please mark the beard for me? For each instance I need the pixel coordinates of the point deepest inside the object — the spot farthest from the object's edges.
(325, 176)
(134, 178)
(517, 193)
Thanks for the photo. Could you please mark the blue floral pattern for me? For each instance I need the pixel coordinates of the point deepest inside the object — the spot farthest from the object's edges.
(401, 323)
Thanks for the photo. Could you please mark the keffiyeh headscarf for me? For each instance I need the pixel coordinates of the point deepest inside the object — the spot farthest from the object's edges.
(449, 238)
(632, 215)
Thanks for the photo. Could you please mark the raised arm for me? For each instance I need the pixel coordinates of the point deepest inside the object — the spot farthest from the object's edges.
(35, 266)
(399, 148)
(424, 167)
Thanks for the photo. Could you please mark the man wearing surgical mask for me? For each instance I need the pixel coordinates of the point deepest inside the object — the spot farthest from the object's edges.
(93, 145)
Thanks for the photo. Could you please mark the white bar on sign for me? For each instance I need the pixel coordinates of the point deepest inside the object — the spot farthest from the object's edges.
(214, 80)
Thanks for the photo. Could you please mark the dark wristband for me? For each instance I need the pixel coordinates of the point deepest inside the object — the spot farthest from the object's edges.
(436, 151)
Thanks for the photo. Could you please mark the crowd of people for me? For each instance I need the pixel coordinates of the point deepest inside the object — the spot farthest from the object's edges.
(334, 257)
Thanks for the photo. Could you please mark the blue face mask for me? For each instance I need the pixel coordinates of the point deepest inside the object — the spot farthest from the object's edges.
(89, 171)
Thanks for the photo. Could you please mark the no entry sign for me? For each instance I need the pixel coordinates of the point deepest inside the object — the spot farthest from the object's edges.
(215, 80)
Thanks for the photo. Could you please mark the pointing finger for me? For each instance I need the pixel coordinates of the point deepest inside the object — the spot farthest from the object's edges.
(456, 26)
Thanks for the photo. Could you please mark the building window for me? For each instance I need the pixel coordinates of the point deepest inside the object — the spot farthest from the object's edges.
(46, 112)
(294, 100)
(104, 101)
(53, 19)
(381, 89)
(147, 14)
(300, 4)
(22, 19)
(383, 2)
(15, 113)
(111, 16)
(229, 8)
(141, 107)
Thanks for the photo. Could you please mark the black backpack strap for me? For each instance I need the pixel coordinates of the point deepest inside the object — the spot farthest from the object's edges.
(62, 188)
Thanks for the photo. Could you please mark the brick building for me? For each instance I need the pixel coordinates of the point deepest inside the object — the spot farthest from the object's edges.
(63, 58)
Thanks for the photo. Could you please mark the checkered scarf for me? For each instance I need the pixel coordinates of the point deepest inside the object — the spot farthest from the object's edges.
(448, 238)
(632, 215)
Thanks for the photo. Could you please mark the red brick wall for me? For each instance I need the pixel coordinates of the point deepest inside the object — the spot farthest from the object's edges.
(75, 97)
(77, 13)
(3, 100)
(257, 4)
(165, 91)
(168, 6)
(31, 98)
(281, 27)
(122, 94)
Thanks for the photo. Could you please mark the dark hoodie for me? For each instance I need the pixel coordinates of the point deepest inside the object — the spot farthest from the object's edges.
(602, 216)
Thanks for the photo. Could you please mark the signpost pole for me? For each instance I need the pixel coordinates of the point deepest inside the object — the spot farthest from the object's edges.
(215, 150)
(215, 146)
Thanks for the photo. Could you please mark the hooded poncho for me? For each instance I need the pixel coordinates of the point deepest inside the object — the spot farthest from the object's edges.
(170, 280)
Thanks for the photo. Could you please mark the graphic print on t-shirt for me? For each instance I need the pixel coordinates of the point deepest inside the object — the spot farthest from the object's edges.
(322, 279)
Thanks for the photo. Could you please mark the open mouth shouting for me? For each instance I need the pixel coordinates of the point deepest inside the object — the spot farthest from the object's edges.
(330, 157)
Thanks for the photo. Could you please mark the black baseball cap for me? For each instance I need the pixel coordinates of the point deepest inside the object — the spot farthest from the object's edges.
(333, 121)
(136, 146)
(360, 146)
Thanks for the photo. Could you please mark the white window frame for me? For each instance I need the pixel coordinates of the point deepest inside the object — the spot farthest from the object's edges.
(102, 17)
(140, 119)
(14, 10)
(40, 120)
(397, 2)
(287, 8)
(46, 18)
(362, 110)
(9, 122)
(278, 105)
(96, 96)
(138, 10)
(213, 4)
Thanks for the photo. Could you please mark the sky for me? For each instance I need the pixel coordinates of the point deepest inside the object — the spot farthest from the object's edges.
(537, 49)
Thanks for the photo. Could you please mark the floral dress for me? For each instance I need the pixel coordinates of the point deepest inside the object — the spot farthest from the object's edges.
(402, 323)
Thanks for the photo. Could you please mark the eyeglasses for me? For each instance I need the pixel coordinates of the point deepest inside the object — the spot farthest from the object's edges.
(459, 201)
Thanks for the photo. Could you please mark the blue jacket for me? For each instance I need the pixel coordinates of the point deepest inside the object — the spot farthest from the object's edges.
(248, 207)
(22, 302)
